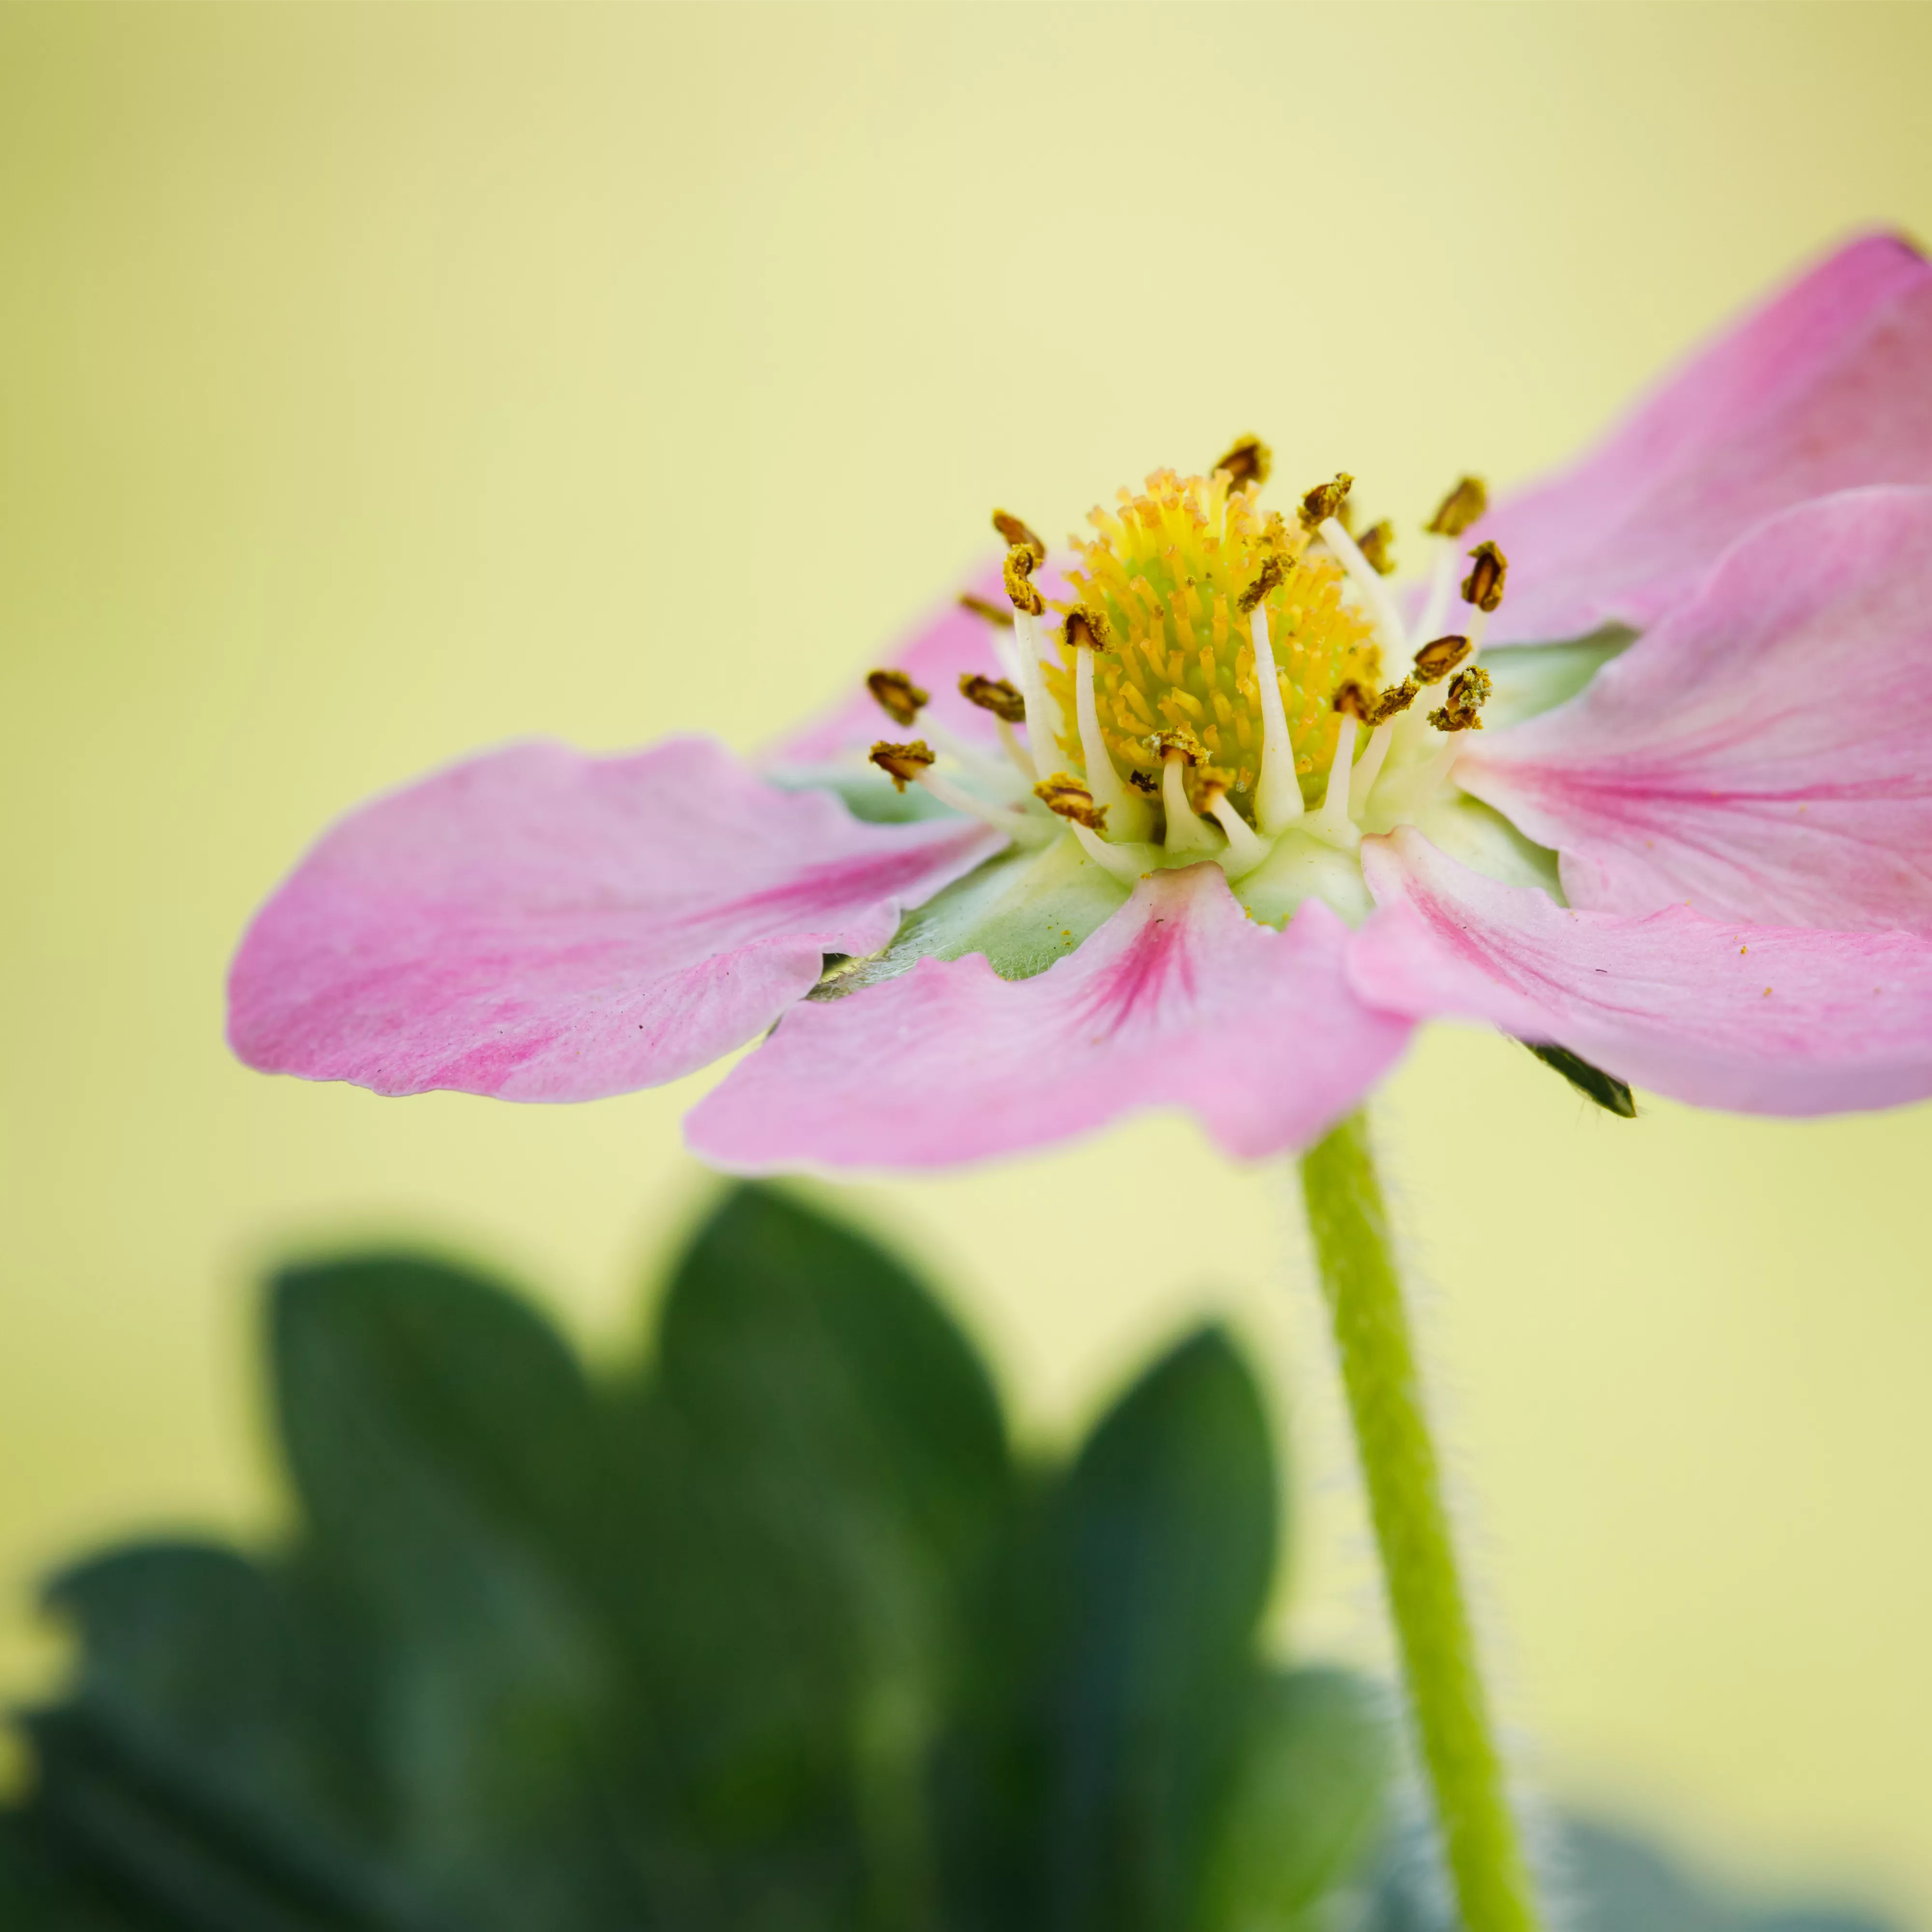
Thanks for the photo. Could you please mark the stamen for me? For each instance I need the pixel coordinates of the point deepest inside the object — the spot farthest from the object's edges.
(1185, 831)
(1323, 504)
(993, 694)
(897, 696)
(1066, 797)
(1245, 850)
(1015, 532)
(1459, 509)
(1126, 862)
(912, 764)
(1278, 801)
(1468, 690)
(1087, 632)
(1018, 571)
(1441, 581)
(902, 763)
(1374, 544)
(1248, 461)
(1436, 661)
(981, 607)
(1368, 767)
(1331, 823)
(1043, 724)
(1483, 586)
(1387, 619)
(1394, 701)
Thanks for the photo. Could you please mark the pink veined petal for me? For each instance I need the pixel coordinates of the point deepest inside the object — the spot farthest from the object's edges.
(1759, 1019)
(1828, 387)
(951, 643)
(540, 924)
(1179, 1000)
(1765, 752)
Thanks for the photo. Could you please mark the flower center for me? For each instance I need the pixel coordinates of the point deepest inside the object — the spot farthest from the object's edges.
(1164, 594)
(1214, 688)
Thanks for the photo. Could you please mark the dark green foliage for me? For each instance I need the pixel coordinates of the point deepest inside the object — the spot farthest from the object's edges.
(773, 1634)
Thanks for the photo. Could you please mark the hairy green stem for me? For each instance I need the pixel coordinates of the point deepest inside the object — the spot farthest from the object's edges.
(1480, 1843)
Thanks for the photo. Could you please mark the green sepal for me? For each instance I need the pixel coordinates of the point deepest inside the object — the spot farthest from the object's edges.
(1023, 909)
(1610, 1094)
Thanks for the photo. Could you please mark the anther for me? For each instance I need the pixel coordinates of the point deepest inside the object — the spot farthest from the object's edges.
(1459, 509)
(1325, 500)
(1066, 797)
(1020, 564)
(1352, 700)
(981, 607)
(912, 764)
(1014, 531)
(993, 694)
(1272, 572)
(1248, 461)
(1483, 586)
(897, 696)
(1468, 690)
(1041, 714)
(1394, 701)
(1374, 544)
(1087, 630)
(1181, 743)
(1436, 661)
(902, 764)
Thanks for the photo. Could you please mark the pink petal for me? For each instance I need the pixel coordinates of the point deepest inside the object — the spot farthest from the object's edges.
(543, 925)
(1762, 1019)
(951, 643)
(1828, 387)
(1178, 1000)
(1765, 752)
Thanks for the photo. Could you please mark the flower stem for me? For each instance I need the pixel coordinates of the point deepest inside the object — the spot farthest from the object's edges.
(1487, 1870)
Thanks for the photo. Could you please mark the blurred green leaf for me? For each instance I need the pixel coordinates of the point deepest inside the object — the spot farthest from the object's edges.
(452, 1460)
(1167, 1524)
(829, 1465)
(1090, 1754)
(42, 1892)
(1305, 1806)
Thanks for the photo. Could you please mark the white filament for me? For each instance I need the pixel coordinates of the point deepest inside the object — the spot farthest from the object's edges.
(1278, 790)
(1014, 824)
(1245, 850)
(1043, 714)
(1126, 862)
(1428, 623)
(1367, 580)
(1368, 767)
(1332, 822)
(1185, 831)
(1127, 813)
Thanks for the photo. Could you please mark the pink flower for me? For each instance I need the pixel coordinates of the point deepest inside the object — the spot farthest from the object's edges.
(1673, 812)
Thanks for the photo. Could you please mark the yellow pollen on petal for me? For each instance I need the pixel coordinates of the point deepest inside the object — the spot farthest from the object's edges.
(1164, 590)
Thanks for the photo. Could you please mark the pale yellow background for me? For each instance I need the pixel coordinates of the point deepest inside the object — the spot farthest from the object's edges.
(376, 384)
